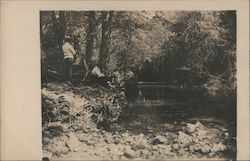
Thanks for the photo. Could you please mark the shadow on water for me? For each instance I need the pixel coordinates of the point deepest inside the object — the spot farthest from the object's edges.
(166, 108)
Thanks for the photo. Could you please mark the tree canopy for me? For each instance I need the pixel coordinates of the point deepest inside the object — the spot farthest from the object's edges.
(155, 43)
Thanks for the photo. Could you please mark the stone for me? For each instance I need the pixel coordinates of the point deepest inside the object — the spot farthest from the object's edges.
(191, 127)
(123, 158)
(126, 147)
(120, 146)
(138, 153)
(144, 152)
(181, 152)
(119, 141)
(201, 134)
(84, 147)
(91, 142)
(184, 138)
(58, 147)
(48, 102)
(109, 139)
(226, 135)
(147, 146)
(65, 110)
(83, 137)
(192, 148)
(93, 130)
(125, 134)
(195, 139)
(154, 147)
(175, 146)
(205, 149)
(159, 140)
(136, 145)
(218, 147)
(167, 149)
(181, 145)
(95, 135)
(73, 143)
(112, 147)
(211, 154)
(46, 140)
(141, 135)
(199, 125)
(128, 138)
(129, 153)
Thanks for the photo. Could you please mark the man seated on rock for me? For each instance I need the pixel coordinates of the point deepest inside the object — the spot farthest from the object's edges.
(69, 55)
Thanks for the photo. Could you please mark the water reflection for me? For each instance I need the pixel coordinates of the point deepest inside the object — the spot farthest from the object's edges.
(161, 103)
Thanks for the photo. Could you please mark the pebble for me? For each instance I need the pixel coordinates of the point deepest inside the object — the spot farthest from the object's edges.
(154, 147)
(111, 147)
(119, 141)
(184, 138)
(147, 146)
(91, 142)
(182, 145)
(181, 152)
(115, 157)
(141, 135)
(129, 153)
(109, 140)
(191, 127)
(159, 140)
(211, 154)
(138, 145)
(138, 153)
(167, 149)
(123, 158)
(83, 137)
(73, 142)
(46, 140)
(192, 148)
(205, 149)
(175, 146)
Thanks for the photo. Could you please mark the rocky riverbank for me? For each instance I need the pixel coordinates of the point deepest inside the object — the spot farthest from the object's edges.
(75, 128)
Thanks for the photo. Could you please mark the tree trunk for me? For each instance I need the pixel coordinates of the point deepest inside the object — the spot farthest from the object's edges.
(104, 47)
(90, 38)
(59, 27)
(62, 22)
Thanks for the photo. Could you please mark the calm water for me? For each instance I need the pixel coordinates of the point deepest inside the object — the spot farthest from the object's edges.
(157, 109)
(157, 104)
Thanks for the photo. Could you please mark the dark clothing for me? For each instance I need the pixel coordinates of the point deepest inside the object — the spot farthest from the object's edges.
(68, 65)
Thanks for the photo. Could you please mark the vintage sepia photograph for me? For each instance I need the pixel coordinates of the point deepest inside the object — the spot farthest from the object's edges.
(138, 85)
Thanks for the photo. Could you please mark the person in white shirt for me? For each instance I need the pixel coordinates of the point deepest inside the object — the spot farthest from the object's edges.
(69, 55)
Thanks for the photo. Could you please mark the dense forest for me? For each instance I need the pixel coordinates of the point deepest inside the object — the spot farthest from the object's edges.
(154, 46)
(145, 85)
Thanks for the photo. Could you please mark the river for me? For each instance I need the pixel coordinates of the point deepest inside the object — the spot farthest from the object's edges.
(157, 108)
(166, 103)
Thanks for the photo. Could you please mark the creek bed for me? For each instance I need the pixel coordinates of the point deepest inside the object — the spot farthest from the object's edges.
(162, 122)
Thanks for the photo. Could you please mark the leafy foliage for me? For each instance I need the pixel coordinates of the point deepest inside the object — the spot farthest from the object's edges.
(203, 42)
(152, 43)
